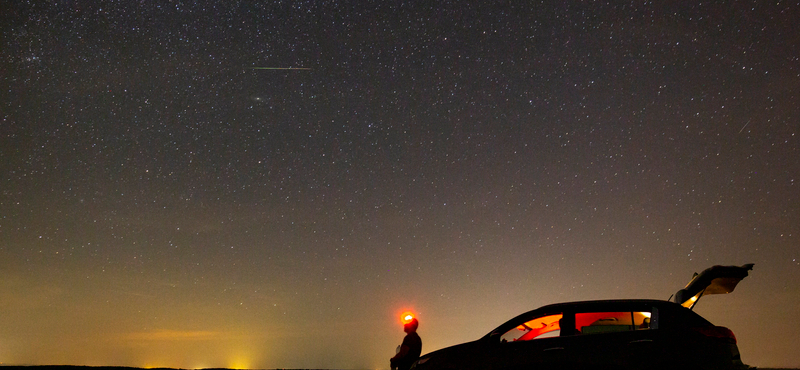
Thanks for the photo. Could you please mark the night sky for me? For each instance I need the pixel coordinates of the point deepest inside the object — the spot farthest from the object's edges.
(165, 201)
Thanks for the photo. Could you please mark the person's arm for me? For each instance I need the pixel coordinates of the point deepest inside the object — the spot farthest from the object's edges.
(402, 353)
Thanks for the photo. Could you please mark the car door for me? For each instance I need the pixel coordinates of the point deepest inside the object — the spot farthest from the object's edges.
(543, 353)
(534, 342)
(616, 337)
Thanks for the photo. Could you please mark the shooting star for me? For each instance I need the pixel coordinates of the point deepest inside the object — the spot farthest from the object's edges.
(281, 68)
(745, 125)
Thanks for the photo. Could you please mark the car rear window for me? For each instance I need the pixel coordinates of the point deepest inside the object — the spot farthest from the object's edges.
(675, 316)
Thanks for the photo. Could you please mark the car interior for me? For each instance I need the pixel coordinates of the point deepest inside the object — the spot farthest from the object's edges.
(585, 323)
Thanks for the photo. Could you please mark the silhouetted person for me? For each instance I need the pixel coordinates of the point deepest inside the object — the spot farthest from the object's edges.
(410, 349)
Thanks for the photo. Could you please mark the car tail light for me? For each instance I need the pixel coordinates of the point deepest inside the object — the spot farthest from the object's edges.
(718, 332)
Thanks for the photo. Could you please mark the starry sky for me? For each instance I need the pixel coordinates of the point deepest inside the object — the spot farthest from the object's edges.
(166, 201)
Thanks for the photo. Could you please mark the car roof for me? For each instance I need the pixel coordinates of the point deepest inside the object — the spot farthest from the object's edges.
(595, 304)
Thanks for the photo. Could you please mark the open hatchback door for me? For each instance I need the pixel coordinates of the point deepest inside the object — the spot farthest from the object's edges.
(714, 280)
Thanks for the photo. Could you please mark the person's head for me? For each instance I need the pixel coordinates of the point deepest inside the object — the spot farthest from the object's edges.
(411, 326)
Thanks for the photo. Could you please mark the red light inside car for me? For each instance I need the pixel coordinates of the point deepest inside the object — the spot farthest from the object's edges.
(718, 332)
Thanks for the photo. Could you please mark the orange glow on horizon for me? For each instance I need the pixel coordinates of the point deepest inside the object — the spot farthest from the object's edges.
(239, 363)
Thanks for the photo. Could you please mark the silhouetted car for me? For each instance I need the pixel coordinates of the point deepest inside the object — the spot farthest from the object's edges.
(610, 334)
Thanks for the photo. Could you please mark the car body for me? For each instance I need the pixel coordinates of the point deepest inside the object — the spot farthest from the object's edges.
(607, 334)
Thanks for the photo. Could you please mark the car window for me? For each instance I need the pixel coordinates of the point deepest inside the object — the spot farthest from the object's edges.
(609, 322)
(537, 328)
